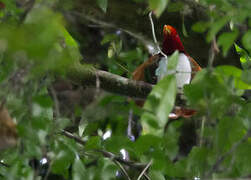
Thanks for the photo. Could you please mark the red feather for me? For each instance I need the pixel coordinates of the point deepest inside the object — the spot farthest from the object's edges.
(171, 41)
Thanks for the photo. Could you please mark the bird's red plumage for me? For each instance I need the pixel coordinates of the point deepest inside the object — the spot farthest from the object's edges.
(171, 41)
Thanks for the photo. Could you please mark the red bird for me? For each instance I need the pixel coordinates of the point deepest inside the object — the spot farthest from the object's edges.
(172, 43)
(157, 65)
(186, 67)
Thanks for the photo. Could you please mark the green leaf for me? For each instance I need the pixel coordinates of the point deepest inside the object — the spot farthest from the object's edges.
(171, 145)
(245, 59)
(62, 162)
(156, 175)
(108, 38)
(226, 40)
(93, 143)
(246, 76)
(175, 6)
(184, 31)
(229, 131)
(167, 66)
(158, 6)
(160, 102)
(145, 142)
(233, 72)
(103, 4)
(43, 100)
(246, 40)
(242, 158)
(200, 26)
(197, 163)
(78, 172)
(116, 143)
(173, 61)
(216, 26)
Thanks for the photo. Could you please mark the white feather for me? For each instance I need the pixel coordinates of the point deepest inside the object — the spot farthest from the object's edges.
(183, 70)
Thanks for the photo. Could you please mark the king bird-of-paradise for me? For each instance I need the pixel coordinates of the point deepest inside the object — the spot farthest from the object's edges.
(157, 64)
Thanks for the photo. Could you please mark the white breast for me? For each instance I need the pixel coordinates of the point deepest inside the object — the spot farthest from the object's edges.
(183, 70)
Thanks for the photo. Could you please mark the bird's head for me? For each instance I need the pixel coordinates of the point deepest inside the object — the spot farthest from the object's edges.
(169, 31)
(171, 41)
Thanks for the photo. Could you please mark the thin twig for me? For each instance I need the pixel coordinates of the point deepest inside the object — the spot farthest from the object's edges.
(47, 172)
(104, 24)
(4, 164)
(28, 7)
(122, 67)
(202, 130)
(144, 170)
(212, 52)
(71, 136)
(97, 85)
(154, 36)
(105, 153)
(129, 126)
(122, 169)
(56, 102)
(123, 161)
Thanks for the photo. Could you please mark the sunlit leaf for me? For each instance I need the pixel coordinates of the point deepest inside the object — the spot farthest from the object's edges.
(245, 59)
(158, 6)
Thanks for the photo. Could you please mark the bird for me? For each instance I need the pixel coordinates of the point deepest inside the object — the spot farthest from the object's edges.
(155, 68)
(171, 43)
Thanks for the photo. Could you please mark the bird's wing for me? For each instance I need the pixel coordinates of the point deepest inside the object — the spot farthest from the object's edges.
(195, 66)
(139, 73)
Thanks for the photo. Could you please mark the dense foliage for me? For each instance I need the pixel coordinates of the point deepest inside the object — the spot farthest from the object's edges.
(63, 128)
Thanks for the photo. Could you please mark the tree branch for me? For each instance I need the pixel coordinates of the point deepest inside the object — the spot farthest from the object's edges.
(107, 154)
(86, 75)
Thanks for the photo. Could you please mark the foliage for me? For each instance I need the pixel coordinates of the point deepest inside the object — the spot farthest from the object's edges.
(35, 53)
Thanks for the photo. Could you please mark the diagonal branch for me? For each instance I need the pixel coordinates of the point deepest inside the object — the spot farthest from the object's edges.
(106, 153)
(87, 75)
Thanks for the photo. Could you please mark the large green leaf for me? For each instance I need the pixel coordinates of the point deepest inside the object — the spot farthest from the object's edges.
(159, 103)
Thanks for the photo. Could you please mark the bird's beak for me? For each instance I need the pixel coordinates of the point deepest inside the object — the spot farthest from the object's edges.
(167, 30)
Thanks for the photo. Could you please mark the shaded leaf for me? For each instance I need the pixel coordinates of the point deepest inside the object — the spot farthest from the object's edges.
(246, 40)
(78, 170)
(226, 40)
(103, 4)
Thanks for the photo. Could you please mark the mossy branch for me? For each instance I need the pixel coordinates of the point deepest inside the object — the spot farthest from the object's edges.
(86, 75)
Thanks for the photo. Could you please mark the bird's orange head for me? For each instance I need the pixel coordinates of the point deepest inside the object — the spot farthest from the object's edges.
(171, 40)
(169, 31)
